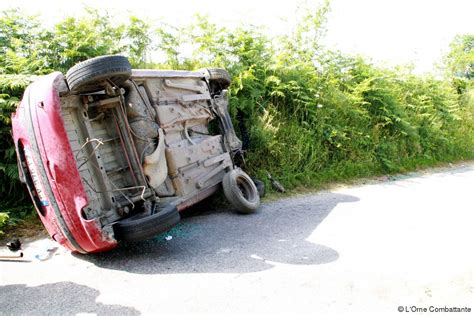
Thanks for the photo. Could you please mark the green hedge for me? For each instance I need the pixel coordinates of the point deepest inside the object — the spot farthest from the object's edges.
(313, 115)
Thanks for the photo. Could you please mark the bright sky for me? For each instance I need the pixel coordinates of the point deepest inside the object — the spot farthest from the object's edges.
(387, 31)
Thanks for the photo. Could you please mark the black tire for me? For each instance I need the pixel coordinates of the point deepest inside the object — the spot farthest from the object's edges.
(137, 228)
(240, 191)
(219, 76)
(260, 185)
(87, 75)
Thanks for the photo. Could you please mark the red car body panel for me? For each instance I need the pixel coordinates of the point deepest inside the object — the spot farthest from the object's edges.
(39, 133)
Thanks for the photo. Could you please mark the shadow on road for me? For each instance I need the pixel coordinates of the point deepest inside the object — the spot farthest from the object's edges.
(42, 300)
(225, 242)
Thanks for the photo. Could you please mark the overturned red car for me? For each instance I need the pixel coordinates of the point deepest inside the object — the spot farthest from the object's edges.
(112, 154)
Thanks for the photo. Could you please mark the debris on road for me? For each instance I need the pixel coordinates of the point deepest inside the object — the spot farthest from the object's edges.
(9, 257)
(275, 184)
(46, 254)
(14, 245)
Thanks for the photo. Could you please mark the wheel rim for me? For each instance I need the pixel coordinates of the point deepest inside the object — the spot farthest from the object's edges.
(246, 189)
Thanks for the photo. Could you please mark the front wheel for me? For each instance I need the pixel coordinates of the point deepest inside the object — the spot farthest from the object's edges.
(240, 191)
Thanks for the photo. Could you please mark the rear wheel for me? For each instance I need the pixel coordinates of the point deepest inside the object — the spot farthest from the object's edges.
(219, 79)
(241, 191)
(90, 74)
(136, 228)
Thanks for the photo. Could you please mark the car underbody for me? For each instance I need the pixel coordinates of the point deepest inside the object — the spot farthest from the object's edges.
(109, 153)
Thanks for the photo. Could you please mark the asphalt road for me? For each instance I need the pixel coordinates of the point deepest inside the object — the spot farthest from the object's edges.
(365, 249)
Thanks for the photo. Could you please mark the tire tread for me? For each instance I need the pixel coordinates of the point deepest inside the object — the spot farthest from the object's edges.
(87, 74)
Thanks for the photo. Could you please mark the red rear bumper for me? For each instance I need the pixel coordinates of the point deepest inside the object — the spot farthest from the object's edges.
(50, 169)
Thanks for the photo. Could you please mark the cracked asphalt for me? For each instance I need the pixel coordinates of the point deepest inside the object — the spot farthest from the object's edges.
(364, 249)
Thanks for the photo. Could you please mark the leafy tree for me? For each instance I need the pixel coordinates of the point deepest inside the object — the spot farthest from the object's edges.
(460, 68)
(19, 35)
(460, 60)
(139, 41)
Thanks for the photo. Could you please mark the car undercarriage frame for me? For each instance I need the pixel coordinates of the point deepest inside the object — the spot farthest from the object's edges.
(119, 159)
